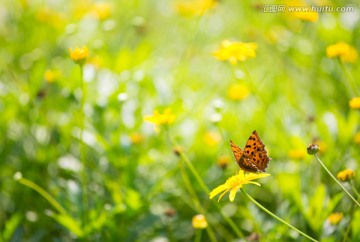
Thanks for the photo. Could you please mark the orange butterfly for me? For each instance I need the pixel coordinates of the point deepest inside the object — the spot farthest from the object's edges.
(254, 157)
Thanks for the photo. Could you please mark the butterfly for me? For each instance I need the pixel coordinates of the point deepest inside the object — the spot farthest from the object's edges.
(254, 157)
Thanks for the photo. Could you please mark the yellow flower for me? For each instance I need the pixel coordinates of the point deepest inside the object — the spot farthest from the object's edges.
(297, 154)
(199, 222)
(335, 218)
(101, 10)
(306, 16)
(310, 16)
(52, 75)
(223, 161)
(357, 138)
(136, 138)
(79, 55)
(235, 51)
(161, 119)
(238, 92)
(341, 50)
(50, 17)
(212, 138)
(322, 145)
(345, 175)
(235, 182)
(194, 7)
(355, 103)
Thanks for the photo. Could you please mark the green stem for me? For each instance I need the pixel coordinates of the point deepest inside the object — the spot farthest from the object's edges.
(276, 217)
(336, 180)
(44, 194)
(354, 189)
(198, 206)
(254, 86)
(198, 235)
(205, 188)
(350, 79)
(82, 147)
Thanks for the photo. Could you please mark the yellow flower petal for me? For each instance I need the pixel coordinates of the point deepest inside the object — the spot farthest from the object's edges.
(238, 92)
(199, 222)
(217, 190)
(255, 183)
(235, 51)
(235, 182)
(345, 175)
(161, 119)
(194, 7)
(79, 55)
(344, 51)
(355, 103)
(222, 194)
(233, 194)
(335, 218)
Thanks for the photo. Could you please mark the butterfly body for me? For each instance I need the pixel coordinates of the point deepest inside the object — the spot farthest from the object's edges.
(254, 157)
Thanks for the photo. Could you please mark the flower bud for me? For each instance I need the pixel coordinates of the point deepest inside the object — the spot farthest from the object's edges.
(313, 149)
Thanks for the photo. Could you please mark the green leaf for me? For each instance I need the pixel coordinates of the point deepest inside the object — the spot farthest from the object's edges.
(68, 222)
(10, 226)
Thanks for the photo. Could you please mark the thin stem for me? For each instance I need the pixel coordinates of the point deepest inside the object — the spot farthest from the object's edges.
(198, 235)
(354, 189)
(345, 238)
(44, 194)
(349, 77)
(82, 147)
(276, 217)
(336, 180)
(204, 187)
(196, 201)
(260, 97)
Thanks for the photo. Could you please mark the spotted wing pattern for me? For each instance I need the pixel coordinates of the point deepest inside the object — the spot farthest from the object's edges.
(256, 152)
(244, 162)
(254, 157)
(238, 153)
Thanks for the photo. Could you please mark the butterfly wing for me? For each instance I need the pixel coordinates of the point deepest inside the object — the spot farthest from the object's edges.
(256, 153)
(244, 162)
(238, 153)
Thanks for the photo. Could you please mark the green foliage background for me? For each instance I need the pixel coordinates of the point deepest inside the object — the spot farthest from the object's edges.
(146, 56)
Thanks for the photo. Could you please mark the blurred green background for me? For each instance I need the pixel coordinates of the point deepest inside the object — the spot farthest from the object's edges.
(153, 55)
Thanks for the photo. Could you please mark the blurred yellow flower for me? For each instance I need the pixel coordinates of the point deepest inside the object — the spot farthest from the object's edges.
(52, 75)
(212, 138)
(81, 8)
(48, 16)
(79, 55)
(199, 222)
(306, 16)
(335, 218)
(194, 7)
(297, 154)
(355, 103)
(234, 183)
(345, 175)
(357, 138)
(341, 50)
(136, 138)
(238, 92)
(322, 145)
(235, 51)
(101, 10)
(223, 161)
(300, 10)
(161, 119)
